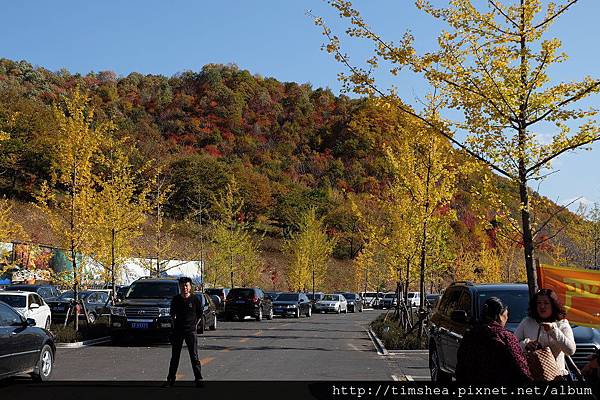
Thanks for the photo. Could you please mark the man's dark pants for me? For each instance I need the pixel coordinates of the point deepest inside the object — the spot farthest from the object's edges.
(177, 342)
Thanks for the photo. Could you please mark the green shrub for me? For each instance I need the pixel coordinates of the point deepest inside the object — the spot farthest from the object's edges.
(393, 336)
(67, 334)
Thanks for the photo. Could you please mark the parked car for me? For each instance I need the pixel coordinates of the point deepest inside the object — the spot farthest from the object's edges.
(413, 299)
(121, 292)
(221, 293)
(146, 309)
(242, 302)
(97, 304)
(371, 299)
(458, 310)
(389, 300)
(314, 298)
(209, 313)
(272, 295)
(47, 292)
(332, 303)
(29, 305)
(588, 343)
(24, 348)
(295, 304)
(432, 299)
(355, 302)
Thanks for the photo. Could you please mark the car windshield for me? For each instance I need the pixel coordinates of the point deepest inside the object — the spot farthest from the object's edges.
(331, 297)
(317, 296)
(517, 302)
(241, 293)
(411, 295)
(370, 294)
(349, 296)
(389, 295)
(152, 290)
(68, 295)
(213, 292)
(287, 297)
(13, 300)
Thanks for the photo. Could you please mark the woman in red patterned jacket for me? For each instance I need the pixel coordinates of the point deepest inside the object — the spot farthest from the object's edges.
(489, 353)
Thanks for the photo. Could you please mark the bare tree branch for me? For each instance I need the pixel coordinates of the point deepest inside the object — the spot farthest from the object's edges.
(564, 103)
(554, 214)
(508, 18)
(558, 153)
(562, 10)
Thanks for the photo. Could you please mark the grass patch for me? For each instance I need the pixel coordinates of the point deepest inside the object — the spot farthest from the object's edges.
(393, 336)
(67, 334)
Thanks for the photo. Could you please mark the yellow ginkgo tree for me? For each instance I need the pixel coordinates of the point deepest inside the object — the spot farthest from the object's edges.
(492, 66)
(69, 198)
(122, 206)
(309, 250)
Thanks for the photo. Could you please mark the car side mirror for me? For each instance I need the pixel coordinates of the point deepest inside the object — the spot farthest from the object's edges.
(34, 306)
(30, 322)
(459, 316)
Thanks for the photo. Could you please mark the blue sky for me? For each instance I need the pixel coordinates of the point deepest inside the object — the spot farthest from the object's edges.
(267, 37)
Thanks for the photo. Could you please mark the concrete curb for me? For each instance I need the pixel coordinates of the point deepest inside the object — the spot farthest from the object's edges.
(85, 343)
(381, 350)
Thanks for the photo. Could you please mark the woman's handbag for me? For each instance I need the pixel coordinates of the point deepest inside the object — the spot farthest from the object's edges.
(542, 364)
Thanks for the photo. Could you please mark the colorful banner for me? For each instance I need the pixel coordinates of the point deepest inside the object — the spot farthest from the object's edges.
(578, 289)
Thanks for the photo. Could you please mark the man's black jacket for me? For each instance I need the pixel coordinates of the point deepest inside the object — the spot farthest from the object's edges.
(186, 313)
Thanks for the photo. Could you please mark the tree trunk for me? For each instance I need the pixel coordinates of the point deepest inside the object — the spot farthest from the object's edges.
(528, 248)
(527, 235)
(112, 264)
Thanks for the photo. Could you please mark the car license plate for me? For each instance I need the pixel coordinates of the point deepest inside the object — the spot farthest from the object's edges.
(139, 325)
(240, 301)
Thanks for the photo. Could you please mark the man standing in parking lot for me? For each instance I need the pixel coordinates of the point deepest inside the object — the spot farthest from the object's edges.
(186, 311)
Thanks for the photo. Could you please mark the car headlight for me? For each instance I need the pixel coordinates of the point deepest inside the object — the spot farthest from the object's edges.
(291, 306)
(164, 312)
(351, 303)
(118, 311)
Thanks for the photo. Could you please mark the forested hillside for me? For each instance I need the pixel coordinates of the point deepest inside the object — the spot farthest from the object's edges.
(290, 148)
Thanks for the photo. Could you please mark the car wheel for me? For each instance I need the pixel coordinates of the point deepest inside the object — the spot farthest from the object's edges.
(47, 324)
(45, 365)
(309, 312)
(297, 314)
(92, 318)
(270, 316)
(346, 310)
(437, 375)
(213, 327)
(339, 310)
(259, 317)
(200, 328)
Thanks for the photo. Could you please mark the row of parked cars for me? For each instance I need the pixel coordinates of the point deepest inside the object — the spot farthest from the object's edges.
(389, 300)
(144, 309)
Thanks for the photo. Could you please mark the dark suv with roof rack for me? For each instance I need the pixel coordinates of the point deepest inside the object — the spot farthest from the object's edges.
(458, 310)
(242, 302)
(145, 310)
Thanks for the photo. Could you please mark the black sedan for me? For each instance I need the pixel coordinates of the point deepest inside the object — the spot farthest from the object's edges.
(209, 313)
(24, 348)
(295, 304)
(97, 303)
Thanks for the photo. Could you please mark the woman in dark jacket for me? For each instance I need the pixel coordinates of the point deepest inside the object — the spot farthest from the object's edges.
(489, 353)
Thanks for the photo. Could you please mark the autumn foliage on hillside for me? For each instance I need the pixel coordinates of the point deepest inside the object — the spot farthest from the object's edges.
(291, 147)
